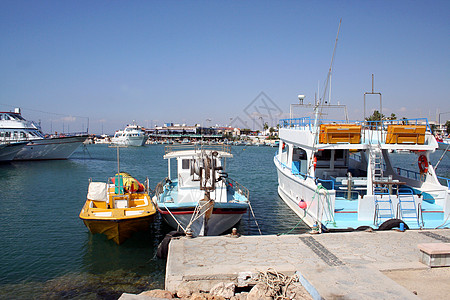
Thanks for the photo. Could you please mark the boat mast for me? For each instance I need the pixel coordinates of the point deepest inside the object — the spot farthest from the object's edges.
(328, 81)
(318, 107)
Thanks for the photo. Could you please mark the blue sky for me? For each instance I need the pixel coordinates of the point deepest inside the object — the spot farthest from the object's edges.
(193, 61)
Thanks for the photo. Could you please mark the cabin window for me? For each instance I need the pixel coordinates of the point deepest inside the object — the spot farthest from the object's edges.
(185, 164)
(299, 154)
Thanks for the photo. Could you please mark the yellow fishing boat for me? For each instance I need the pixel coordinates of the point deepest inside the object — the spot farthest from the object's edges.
(118, 208)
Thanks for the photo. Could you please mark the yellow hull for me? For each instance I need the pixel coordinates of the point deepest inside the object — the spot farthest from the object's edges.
(119, 230)
(119, 223)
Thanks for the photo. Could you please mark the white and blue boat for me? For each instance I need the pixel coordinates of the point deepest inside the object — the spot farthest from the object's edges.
(339, 174)
(201, 199)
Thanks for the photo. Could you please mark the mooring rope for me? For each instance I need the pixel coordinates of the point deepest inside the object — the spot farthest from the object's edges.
(276, 282)
(254, 217)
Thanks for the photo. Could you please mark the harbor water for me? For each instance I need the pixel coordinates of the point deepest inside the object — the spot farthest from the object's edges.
(48, 253)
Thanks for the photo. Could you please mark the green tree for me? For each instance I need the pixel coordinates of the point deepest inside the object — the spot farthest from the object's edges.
(392, 117)
(447, 124)
(376, 116)
(266, 126)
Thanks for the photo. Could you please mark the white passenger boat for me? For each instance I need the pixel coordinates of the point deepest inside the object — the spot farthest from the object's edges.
(200, 199)
(132, 135)
(14, 128)
(338, 174)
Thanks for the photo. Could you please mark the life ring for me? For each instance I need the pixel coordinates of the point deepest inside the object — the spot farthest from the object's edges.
(423, 164)
(283, 146)
(315, 162)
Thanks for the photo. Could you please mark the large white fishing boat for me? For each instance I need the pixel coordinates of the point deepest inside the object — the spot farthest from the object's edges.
(132, 135)
(338, 174)
(201, 199)
(14, 128)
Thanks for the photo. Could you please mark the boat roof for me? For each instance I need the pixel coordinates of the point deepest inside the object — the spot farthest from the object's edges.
(173, 151)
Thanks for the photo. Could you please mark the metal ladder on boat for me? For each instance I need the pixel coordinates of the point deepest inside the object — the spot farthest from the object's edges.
(377, 161)
(407, 206)
(383, 205)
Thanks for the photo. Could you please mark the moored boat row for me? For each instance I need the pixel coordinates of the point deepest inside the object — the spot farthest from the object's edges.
(200, 200)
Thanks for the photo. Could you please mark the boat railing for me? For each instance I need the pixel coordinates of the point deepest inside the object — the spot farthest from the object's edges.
(238, 187)
(446, 180)
(371, 131)
(410, 174)
(296, 123)
(198, 148)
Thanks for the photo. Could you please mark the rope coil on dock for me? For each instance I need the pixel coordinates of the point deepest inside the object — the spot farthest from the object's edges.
(276, 282)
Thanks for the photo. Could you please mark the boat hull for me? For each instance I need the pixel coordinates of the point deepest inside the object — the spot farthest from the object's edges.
(130, 141)
(287, 184)
(51, 148)
(119, 230)
(221, 220)
(9, 151)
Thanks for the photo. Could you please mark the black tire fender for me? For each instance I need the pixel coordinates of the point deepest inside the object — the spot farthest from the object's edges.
(392, 223)
(363, 228)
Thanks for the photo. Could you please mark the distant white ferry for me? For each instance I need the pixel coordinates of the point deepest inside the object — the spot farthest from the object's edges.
(14, 128)
(132, 135)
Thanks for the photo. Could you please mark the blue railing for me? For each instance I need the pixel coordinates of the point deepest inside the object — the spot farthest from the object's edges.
(447, 180)
(383, 124)
(296, 123)
(308, 122)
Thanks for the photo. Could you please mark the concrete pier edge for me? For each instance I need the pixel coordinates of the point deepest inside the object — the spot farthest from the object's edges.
(352, 265)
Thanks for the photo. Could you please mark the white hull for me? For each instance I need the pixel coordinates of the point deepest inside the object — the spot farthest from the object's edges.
(130, 141)
(9, 151)
(217, 223)
(50, 148)
(289, 188)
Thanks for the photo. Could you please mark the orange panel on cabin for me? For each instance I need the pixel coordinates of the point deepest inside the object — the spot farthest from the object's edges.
(339, 133)
(406, 134)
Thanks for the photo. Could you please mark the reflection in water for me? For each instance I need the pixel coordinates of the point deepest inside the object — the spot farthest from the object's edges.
(137, 254)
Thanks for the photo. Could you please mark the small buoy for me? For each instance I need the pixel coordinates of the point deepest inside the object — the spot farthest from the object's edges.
(302, 204)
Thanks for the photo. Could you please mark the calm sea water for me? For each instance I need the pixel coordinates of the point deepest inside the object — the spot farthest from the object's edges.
(46, 250)
(48, 253)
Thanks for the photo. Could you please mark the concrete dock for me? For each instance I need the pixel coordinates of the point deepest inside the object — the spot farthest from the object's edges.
(354, 265)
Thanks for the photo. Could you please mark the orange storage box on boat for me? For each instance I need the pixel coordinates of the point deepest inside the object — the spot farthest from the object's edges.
(406, 134)
(340, 133)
